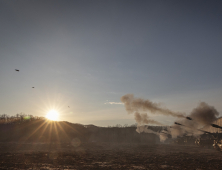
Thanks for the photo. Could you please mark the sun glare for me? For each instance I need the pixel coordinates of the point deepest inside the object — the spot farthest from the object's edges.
(52, 115)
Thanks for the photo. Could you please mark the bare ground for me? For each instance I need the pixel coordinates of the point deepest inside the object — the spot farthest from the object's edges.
(96, 156)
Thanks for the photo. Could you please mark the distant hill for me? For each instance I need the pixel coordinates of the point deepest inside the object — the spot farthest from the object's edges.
(44, 131)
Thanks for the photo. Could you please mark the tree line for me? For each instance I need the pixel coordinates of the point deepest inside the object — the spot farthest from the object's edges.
(18, 118)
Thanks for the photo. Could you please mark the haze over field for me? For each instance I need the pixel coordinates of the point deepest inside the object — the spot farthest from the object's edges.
(80, 57)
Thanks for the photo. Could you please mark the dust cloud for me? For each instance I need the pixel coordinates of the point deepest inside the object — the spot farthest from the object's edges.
(145, 129)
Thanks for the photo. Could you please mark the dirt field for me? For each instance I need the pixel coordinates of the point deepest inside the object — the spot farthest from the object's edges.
(106, 156)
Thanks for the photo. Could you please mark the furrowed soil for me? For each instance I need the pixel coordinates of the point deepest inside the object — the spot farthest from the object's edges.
(94, 156)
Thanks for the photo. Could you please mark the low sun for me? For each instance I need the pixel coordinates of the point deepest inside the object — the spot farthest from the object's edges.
(52, 115)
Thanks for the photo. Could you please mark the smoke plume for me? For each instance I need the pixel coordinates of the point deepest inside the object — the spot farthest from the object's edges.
(201, 116)
(143, 118)
(135, 104)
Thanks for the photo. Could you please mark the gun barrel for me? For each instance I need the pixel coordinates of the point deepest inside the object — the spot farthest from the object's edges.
(216, 126)
(178, 124)
(191, 128)
(189, 118)
(213, 125)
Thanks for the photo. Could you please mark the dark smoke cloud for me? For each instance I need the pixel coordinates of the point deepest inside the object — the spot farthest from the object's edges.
(143, 118)
(204, 114)
(135, 104)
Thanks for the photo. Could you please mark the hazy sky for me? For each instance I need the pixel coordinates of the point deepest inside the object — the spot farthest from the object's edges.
(85, 54)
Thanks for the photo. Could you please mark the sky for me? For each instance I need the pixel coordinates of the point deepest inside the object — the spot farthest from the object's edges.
(82, 56)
